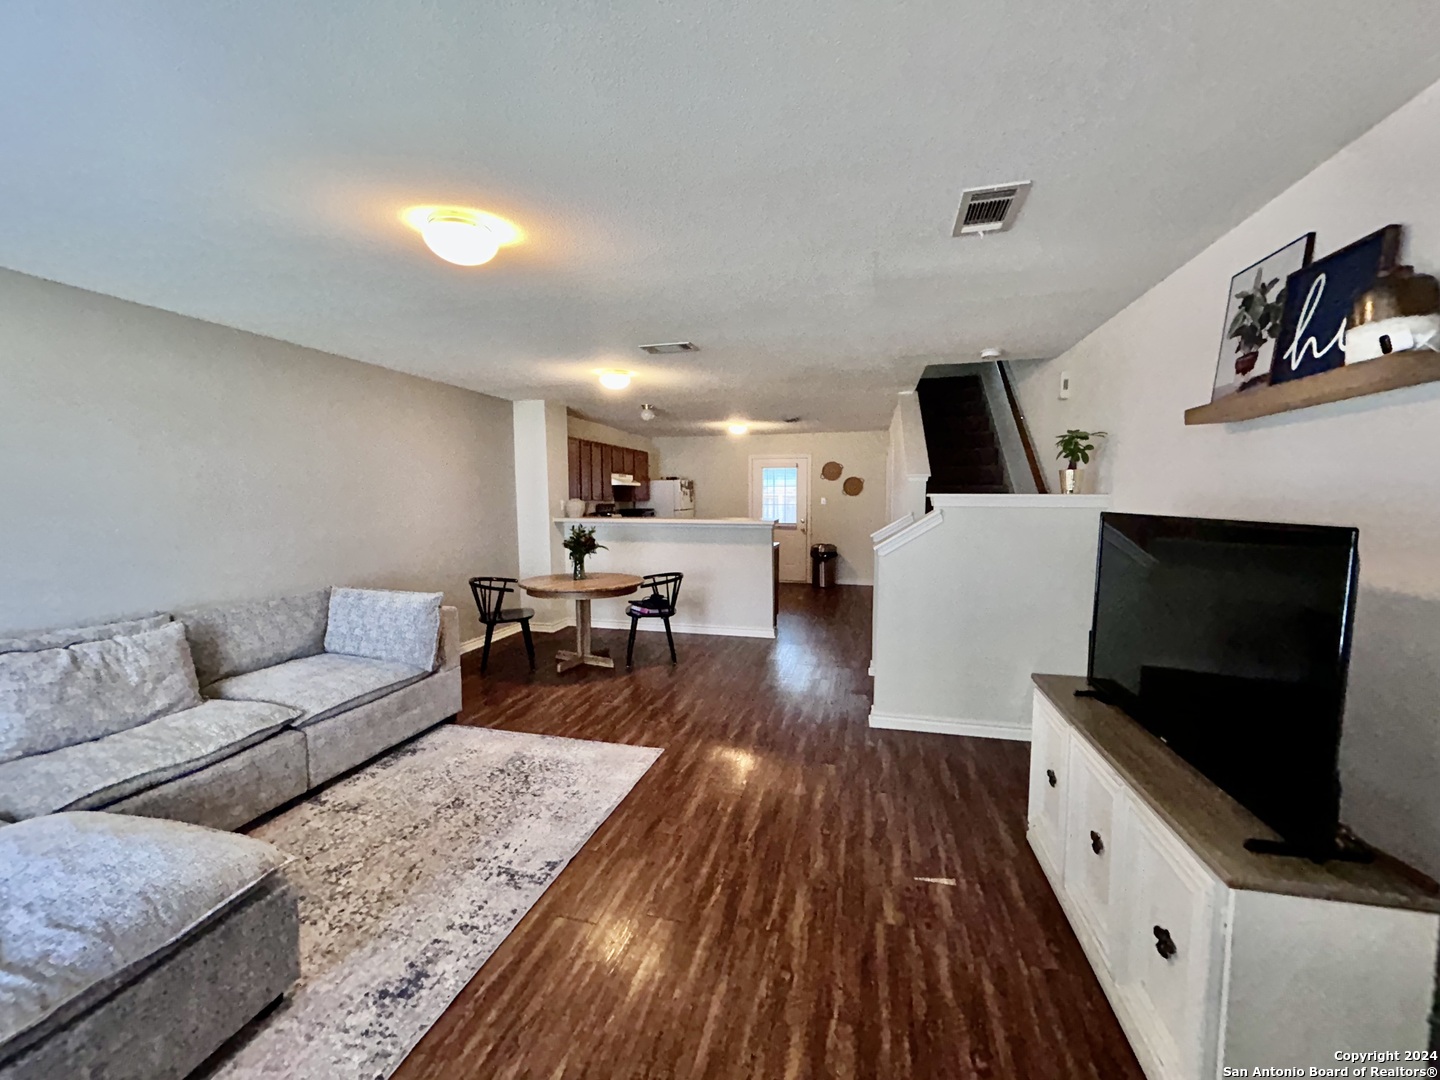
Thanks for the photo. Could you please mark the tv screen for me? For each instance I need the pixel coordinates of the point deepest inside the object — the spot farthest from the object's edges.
(1230, 640)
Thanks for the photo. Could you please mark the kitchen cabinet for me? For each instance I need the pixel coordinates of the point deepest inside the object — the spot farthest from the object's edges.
(592, 463)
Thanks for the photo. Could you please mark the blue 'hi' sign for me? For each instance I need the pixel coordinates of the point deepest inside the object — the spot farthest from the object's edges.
(1318, 299)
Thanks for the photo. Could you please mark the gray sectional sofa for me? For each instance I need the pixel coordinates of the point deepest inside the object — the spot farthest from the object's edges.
(217, 715)
(134, 947)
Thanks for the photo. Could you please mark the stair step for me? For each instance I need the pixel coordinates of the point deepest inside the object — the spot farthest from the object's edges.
(964, 453)
(964, 456)
(949, 479)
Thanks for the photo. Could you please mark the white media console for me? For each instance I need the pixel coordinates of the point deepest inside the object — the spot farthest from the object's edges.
(1211, 955)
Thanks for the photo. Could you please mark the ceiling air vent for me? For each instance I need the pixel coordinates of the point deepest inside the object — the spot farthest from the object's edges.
(990, 209)
(670, 347)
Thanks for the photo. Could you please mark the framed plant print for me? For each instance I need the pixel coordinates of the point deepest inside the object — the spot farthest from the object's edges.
(1318, 300)
(1253, 317)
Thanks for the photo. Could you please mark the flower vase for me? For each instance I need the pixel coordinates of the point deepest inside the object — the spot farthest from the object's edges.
(1071, 480)
(577, 567)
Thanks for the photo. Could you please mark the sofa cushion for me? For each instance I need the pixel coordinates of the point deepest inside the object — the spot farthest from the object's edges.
(89, 899)
(94, 774)
(319, 686)
(401, 627)
(236, 638)
(60, 697)
(74, 635)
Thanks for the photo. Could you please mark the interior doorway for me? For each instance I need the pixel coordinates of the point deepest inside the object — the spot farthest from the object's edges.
(780, 492)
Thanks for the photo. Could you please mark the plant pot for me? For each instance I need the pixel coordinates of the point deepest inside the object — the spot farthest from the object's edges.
(1071, 480)
(577, 568)
(1245, 362)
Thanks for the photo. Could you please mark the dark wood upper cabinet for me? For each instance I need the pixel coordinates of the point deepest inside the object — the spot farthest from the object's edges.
(642, 476)
(576, 488)
(592, 463)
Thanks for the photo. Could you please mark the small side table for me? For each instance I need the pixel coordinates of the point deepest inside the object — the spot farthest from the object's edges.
(582, 591)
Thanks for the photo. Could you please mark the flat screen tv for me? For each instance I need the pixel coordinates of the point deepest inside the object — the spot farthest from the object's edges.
(1230, 641)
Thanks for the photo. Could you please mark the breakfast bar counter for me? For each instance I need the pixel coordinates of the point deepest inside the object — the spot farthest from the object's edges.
(727, 563)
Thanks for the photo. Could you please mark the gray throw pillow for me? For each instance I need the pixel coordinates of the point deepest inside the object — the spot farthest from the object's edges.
(233, 639)
(402, 627)
(75, 635)
(60, 697)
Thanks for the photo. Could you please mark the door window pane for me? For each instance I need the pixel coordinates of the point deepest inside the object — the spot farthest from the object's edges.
(779, 494)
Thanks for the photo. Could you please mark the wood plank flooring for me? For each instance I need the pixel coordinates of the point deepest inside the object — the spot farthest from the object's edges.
(751, 909)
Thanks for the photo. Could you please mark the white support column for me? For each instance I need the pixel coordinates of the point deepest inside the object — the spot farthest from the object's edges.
(542, 482)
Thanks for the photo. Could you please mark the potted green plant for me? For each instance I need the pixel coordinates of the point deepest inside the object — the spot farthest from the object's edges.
(1075, 450)
(581, 544)
(1257, 320)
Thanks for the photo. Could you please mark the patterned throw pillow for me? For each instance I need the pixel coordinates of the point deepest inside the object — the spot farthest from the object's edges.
(60, 697)
(402, 627)
(75, 635)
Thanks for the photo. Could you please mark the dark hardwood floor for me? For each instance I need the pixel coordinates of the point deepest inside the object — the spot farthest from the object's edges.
(752, 910)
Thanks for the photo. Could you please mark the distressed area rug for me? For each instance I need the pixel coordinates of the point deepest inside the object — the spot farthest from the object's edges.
(411, 872)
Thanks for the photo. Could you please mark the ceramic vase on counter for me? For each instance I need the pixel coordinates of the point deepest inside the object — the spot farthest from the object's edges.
(574, 508)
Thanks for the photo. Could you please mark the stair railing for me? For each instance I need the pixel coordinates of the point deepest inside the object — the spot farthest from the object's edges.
(1035, 471)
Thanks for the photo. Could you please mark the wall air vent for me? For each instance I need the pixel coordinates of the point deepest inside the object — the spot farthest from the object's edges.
(990, 209)
(670, 347)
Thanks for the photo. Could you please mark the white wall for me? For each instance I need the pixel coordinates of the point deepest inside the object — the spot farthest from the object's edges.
(542, 482)
(908, 461)
(151, 461)
(604, 433)
(1368, 462)
(974, 598)
(720, 467)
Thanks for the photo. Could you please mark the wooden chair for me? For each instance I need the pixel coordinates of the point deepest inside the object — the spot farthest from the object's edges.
(660, 604)
(489, 601)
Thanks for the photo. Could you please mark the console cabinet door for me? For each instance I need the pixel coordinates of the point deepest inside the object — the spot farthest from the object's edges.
(1171, 938)
(1090, 844)
(1049, 749)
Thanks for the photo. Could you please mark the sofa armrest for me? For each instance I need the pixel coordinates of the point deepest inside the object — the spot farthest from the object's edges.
(449, 637)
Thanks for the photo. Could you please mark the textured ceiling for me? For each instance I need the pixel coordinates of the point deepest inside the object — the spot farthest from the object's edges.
(776, 181)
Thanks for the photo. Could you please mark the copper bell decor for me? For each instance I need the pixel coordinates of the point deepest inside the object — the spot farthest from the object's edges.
(1399, 313)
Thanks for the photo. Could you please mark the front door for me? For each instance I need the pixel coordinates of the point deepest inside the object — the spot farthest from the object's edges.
(780, 492)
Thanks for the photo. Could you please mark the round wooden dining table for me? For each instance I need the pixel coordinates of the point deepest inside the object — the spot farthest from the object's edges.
(582, 591)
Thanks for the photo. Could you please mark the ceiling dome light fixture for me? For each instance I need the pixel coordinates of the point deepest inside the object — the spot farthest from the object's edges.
(462, 235)
(459, 237)
(738, 429)
(615, 380)
(647, 412)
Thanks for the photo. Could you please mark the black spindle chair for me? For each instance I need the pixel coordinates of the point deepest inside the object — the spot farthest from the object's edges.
(490, 602)
(660, 604)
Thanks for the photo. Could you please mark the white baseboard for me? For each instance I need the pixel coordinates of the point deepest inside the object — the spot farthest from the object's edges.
(943, 725)
(656, 626)
(511, 629)
(501, 632)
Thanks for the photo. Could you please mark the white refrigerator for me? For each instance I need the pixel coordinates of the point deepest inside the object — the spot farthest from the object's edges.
(672, 497)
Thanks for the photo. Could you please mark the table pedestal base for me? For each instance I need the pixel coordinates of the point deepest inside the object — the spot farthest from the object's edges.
(566, 660)
(583, 656)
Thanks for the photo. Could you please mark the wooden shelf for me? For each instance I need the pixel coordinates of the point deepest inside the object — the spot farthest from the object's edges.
(1355, 380)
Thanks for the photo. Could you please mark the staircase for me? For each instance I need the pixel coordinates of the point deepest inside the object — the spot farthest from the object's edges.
(959, 437)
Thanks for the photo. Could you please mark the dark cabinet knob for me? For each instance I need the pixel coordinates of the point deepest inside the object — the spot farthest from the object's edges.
(1096, 844)
(1050, 775)
(1164, 943)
